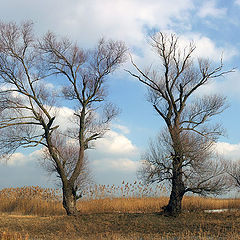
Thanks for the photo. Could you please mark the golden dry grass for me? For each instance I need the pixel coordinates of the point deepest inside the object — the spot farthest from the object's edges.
(127, 198)
(196, 203)
(31, 200)
(9, 235)
(150, 204)
(113, 212)
(119, 226)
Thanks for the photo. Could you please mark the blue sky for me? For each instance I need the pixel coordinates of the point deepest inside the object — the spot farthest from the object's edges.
(214, 25)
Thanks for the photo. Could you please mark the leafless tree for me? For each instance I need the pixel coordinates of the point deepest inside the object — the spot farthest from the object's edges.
(182, 154)
(69, 157)
(233, 170)
(29, 104)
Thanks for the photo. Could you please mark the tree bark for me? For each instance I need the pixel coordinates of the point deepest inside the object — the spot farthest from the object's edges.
(69, 201)
(174, 206)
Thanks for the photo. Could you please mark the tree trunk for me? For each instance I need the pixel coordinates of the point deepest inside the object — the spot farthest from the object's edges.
(69, 201)
(174, 206)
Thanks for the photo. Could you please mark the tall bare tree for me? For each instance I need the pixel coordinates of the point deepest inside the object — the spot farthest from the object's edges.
(182, 154)
(233, 170)
(29, 105)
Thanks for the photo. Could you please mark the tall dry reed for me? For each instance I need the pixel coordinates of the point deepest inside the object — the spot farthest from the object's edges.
(128, 197)
(31, 201)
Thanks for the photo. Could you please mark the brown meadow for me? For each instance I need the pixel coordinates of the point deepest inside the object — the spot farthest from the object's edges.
(106, 211)
(127, 198)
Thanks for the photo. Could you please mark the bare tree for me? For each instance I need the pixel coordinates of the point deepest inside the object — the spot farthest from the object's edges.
(182, 154)
(233, 170)
(29, 105)
(69, 156)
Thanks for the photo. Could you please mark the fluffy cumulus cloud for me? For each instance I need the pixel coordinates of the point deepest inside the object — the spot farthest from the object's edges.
(63, 117)
(22, 159)
(228, 86)
(125, 19)
(228, 151)
(130, 21)
(23, 170)
(115, 152)
(123, 129)
(115, 144)
(207, 48)
(209, 9)
(237, 2)
(88, 20)
(115, 157)
(116, 164)
(17, 159)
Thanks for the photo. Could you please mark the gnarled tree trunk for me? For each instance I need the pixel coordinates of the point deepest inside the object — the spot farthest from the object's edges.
(174, 206)
(69, 201)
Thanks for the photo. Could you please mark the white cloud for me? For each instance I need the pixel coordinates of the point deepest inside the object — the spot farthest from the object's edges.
(36, 154)
(124, 19)
(114, 155)
(17, 159)
(63, 116)
(206, 48)
(228, 86)
(116, 164)
(128, 20)
(88, 20)
(21, 159)
(115, 152)
(209, 9)
(122, 128)
(228, 151)
(115, 144)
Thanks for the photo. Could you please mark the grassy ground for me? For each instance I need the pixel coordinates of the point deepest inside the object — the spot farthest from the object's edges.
(122, 226)
(35, 213)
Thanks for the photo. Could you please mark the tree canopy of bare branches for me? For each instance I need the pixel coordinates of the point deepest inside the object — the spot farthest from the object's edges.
(182, 153)
(29, 105)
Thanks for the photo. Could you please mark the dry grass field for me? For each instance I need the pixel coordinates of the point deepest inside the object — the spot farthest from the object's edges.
(129, 211)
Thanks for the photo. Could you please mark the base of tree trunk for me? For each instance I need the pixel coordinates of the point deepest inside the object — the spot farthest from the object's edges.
(75, 214)
(69, 204)
(170, 211)
(71, 210)
(174, 207)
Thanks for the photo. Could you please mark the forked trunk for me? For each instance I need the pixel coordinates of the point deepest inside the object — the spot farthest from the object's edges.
(69, 202)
